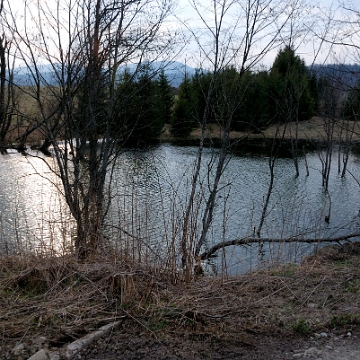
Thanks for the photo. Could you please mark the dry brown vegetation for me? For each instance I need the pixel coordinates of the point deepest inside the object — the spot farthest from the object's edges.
(28, 114)
(313, 129)
(62, 300)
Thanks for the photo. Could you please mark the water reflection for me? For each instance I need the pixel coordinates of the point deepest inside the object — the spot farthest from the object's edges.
(159, 183)
(149, 194)
(33, 215)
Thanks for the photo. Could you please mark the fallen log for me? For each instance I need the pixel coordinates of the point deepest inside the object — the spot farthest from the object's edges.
(255, 240)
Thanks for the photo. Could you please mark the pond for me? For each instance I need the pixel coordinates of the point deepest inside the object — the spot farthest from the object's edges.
(149, 195)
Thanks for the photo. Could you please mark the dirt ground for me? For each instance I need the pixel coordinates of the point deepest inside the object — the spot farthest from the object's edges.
(125, 344)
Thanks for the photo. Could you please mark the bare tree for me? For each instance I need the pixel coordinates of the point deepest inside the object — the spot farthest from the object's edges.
(240, 34)
(83, 44)
(339, 33)
(330, 111)
(7, 90)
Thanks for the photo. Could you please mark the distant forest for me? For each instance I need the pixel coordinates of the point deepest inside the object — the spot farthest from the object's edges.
(289, 92)
(155, 94)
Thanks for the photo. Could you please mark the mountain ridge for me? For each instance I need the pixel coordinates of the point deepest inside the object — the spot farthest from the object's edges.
(347, 74)
(174, 70)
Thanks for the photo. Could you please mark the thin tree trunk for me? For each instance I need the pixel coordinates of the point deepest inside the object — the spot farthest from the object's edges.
(272, 161)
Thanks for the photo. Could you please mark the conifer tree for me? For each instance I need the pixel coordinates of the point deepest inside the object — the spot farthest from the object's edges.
(290, 95)
(165, 99)
(183, 117)
(352, 104)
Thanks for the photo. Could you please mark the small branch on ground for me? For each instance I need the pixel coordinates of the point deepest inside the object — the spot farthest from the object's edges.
(79, 345)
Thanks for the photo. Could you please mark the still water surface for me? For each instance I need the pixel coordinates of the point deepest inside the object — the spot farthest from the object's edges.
(149, 197)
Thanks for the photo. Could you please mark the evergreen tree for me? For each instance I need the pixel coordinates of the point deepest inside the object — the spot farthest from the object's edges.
(183, 115)
(126, 107)
(226, 95)
(96, 109)
(200, 86)
(147, 126)
(314, 91)
(165, 99)
(327, 96)
(140, 109)
(351, 109)
(252, 113)
(290, 95)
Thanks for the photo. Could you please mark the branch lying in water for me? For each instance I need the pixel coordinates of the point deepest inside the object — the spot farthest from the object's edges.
(253, 240)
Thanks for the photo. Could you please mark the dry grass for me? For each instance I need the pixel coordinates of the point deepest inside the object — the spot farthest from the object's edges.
(322, 292)
(315, 129)
(28, 113)
(17, 130)
(312, 130)
(63, 299)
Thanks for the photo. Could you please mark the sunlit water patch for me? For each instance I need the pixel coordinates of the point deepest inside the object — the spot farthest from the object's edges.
(33, 215)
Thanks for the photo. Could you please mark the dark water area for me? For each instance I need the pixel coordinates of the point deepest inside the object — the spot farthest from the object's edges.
(149, 196)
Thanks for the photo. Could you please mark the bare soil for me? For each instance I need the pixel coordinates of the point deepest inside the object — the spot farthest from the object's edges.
(310, 310)
(131, 345)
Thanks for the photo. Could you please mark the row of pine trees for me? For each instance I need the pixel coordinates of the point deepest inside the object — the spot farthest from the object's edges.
(254, 100)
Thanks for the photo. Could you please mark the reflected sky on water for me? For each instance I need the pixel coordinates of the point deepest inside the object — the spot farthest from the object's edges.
(33, 215)
(149, 195)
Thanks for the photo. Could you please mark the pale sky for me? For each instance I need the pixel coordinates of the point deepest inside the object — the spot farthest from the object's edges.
(307, 45)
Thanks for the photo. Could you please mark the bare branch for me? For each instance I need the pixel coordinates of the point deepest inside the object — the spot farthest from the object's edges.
(252, 240)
